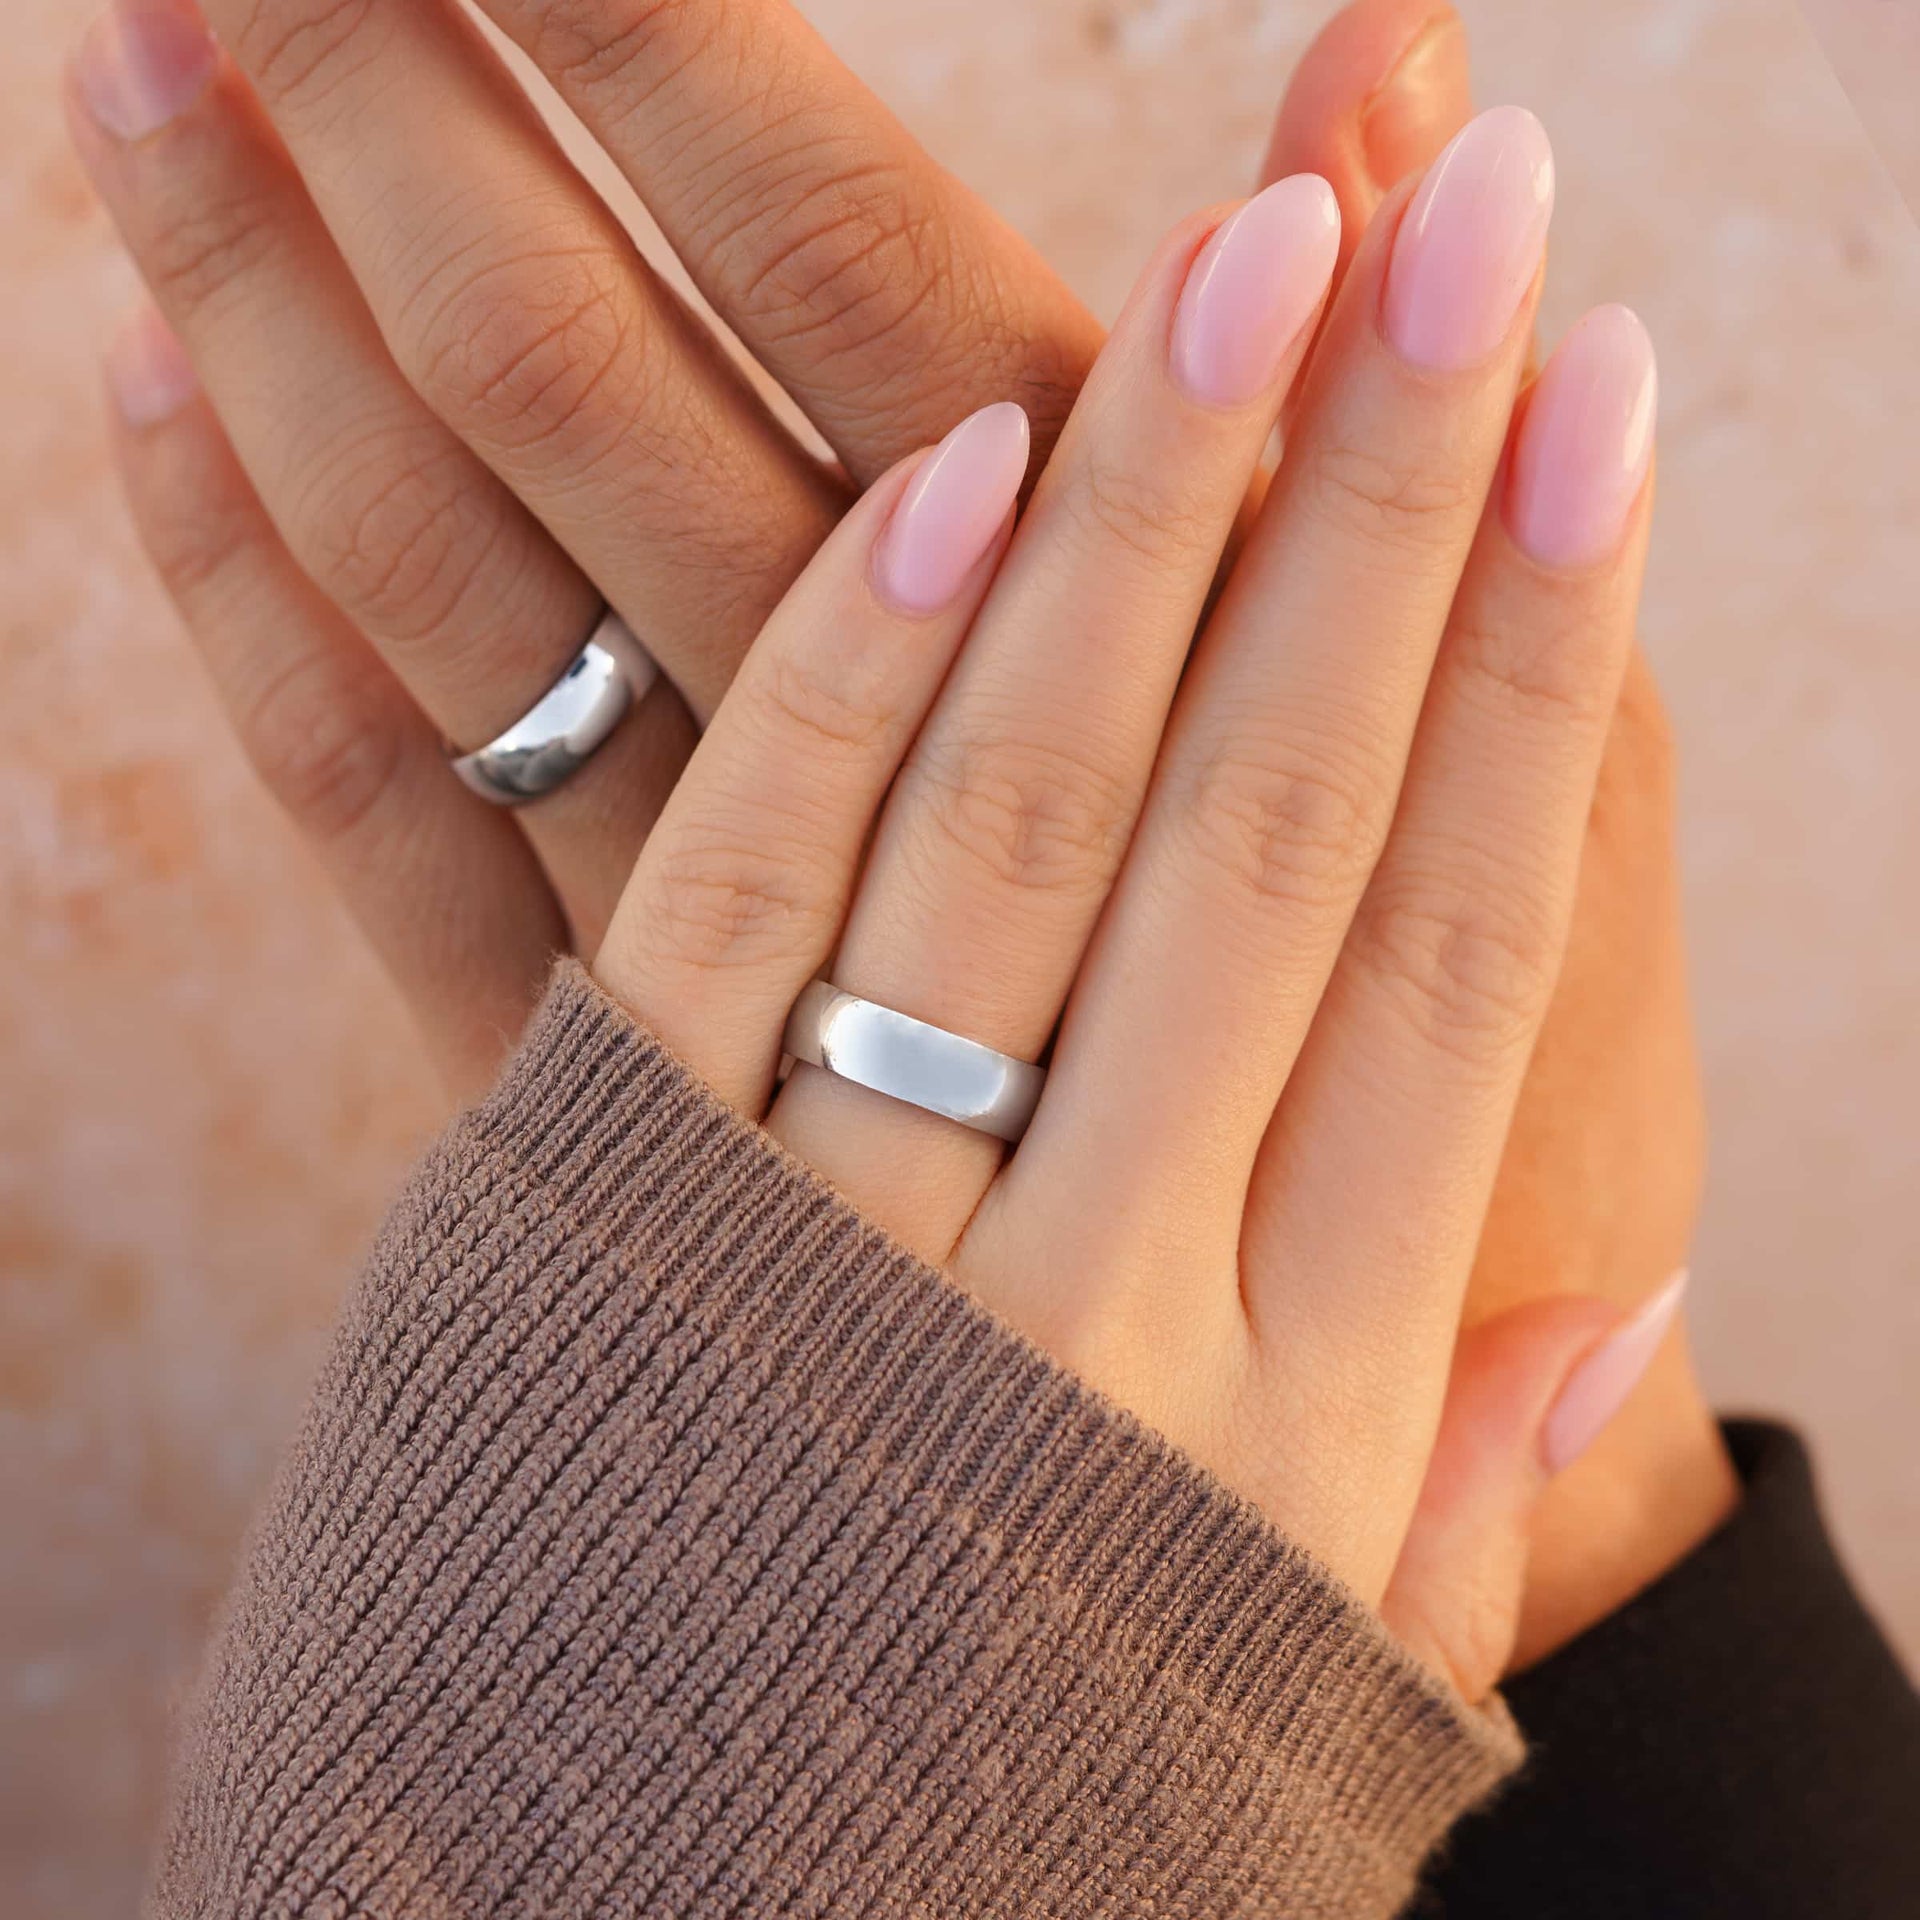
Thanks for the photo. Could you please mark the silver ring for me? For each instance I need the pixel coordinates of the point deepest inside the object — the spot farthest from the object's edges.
(907, 1059)
(559, 734)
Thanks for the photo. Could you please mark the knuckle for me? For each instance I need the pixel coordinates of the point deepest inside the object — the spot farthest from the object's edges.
(621, 55)
(325, 745)
(860, 278)
(1534, 673)
(300, 49)
(1141, 515)
(1473, 970)
(1044, 371)
(396, 536)
(1028, 816)
(209, 241)
(812, 712)
(725, 901)
(1286, 829)
(840, 267)
(1406, 500)
(533, 351)
(197, 538)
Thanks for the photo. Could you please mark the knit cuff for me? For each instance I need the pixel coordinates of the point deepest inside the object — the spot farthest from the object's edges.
(668, 1540)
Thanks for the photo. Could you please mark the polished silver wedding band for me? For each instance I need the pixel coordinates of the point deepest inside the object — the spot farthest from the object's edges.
(909, 1060)
(560, 733)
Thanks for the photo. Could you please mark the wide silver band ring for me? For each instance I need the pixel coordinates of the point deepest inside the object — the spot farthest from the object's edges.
(560, 733)
(907, 1059)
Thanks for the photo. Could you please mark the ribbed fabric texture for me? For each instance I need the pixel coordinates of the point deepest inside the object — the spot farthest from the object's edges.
(664, 1540)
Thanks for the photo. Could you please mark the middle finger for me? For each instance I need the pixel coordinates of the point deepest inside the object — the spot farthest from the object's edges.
(522, 312)
(1285, 757)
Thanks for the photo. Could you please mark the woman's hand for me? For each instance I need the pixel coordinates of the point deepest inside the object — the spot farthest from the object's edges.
(1295, 917)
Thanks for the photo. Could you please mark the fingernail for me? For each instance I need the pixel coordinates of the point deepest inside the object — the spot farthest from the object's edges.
(142, 64)
(1471, 242)
(1584, 447)
(1600, 1385)
(1256, 284)
(148, 372)
(1427, 96)
(952, 510)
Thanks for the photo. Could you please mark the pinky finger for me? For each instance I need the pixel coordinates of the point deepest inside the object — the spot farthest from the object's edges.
(1529, 1391)
(446, 888)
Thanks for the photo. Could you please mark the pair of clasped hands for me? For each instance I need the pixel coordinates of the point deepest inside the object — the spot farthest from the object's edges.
(1315, 828)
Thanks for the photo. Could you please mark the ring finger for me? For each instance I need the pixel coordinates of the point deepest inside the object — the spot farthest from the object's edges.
(470, 600)
(741, 891)
(1014, 809)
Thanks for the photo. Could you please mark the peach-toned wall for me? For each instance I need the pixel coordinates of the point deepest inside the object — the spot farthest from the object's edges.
(1875, 48)
(206, 1091)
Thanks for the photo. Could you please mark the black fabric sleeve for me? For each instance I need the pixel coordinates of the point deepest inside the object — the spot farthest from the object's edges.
(1739, 1741)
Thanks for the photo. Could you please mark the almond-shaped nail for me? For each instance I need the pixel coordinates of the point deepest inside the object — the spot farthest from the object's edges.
(1584, 447)
(1601, 1384)
(148, 372)
(1253, 288)
(1471, 243)
(142, 64)
(952, 510)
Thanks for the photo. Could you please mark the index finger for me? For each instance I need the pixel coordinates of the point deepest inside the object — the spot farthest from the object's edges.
(884, 296)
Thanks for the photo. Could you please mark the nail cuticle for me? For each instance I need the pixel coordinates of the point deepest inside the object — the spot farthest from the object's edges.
(141, 67)
(1471, 245)
(1251, 291)
(1585, 444)
(952, 511)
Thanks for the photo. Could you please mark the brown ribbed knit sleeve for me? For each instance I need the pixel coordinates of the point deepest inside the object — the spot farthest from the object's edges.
(663, 1540)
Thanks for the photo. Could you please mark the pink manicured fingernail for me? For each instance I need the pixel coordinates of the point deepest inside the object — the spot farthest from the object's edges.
(1599, 1386)
(148, 372)
(1472, 242)
(1255, 285)
(142, 64)
(1584, 447)
(951, 512)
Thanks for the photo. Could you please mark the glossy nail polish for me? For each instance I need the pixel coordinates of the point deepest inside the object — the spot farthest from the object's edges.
(1601, 1384)
(952, 509)
(148, 372)
(1584, 447)
(1471, 243)
(142, 64)
(1255, 285)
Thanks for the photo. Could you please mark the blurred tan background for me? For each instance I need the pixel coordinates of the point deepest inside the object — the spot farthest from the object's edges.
(207, 1094)
(1875, 48)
